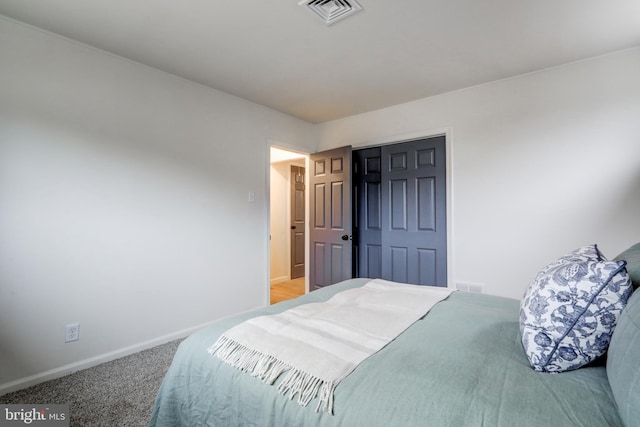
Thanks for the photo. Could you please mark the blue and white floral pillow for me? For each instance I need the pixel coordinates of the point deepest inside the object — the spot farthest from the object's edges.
(569, 311)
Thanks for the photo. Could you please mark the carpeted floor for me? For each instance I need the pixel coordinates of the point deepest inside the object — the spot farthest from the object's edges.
(116, 393)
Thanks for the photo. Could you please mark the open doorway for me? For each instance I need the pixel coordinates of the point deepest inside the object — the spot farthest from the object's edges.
(287, 224)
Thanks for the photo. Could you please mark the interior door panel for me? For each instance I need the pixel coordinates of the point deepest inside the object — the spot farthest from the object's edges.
(330, 228)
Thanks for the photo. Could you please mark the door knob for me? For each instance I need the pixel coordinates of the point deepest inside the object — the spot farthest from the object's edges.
(345, 237)
(293, 227)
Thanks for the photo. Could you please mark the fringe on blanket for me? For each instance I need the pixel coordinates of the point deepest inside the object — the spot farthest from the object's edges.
(269, 369)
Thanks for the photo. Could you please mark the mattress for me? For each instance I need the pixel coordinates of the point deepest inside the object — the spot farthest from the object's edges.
(461, 365)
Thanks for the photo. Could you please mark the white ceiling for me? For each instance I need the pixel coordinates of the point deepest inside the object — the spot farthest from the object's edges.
(276, 53)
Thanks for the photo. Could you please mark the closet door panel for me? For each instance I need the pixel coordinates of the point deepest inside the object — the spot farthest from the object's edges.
(413, 236)
(400, 212)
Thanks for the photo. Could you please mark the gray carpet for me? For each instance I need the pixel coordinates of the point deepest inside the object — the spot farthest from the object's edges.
(116, 393)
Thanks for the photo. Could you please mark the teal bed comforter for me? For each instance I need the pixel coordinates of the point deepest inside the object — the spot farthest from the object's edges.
(461, 365)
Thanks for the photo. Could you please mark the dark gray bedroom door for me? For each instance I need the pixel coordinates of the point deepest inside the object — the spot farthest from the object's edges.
(401, 226)
(330, 252)
(297, 221)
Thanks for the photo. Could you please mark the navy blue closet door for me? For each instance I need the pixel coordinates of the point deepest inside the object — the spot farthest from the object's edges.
(401, 219)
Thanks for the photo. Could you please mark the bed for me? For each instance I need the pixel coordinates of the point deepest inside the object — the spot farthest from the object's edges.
(462, 364)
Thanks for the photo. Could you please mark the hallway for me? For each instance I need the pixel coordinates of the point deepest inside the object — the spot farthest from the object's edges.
(287, 290)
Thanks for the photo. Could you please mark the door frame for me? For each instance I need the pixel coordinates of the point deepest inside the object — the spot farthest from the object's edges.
(373, 142)
(270, 143)
(448, 143)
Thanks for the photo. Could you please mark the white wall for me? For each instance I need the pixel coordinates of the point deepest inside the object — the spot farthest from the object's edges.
(123, 204)
(279, 218)
(540, 164)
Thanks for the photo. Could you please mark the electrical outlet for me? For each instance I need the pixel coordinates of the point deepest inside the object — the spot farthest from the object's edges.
(72, 332)
(471, 287)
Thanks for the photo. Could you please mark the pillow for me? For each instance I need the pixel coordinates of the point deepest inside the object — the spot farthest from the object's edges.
(570, 310)
(623, 369)
(585, 253)
(632, 257)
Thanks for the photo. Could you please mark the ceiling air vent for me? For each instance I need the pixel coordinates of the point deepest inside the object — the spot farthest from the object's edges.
(331, 11)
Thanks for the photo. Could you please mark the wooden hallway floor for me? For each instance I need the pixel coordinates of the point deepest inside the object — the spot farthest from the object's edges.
(287, 290)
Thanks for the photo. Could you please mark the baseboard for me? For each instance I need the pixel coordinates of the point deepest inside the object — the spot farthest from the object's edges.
(52, 374)
(277, 280)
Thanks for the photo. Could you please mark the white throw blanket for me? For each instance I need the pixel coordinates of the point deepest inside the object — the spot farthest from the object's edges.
(317, 345)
